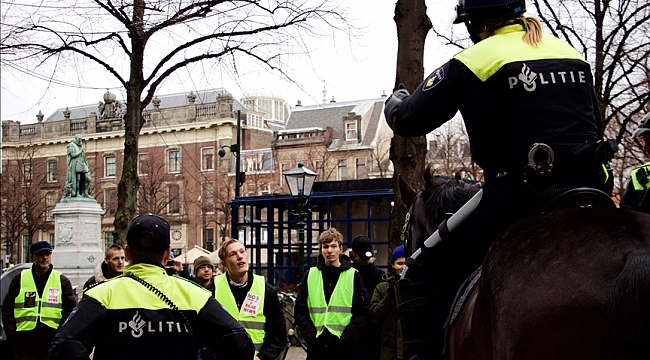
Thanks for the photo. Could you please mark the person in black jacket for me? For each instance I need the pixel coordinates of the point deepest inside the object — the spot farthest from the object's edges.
(30, 338)
(528, 103)
(332, 286)
(112, 266)
(362, 256)
(147, 314)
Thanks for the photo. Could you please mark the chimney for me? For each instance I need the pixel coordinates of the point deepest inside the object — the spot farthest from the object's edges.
(299, 103)
(383, 93)
(332, 101)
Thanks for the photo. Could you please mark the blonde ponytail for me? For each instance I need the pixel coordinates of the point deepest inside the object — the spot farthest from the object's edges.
(533, 28)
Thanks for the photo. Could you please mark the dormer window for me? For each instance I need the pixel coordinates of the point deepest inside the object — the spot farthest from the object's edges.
(351, 131)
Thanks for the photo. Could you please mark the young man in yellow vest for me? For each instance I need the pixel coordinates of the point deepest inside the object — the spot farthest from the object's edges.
(147, 314)
(332, 304)
(251, 301)
(37, 302)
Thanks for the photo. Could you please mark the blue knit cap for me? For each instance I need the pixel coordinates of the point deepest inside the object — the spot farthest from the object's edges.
(397, 253)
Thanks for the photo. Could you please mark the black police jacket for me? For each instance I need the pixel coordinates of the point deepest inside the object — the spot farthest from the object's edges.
(510, 95)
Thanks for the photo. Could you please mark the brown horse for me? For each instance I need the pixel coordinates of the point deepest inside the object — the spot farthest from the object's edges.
(569, 283)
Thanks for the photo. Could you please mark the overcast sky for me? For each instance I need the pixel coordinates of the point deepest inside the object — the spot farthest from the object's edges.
(359, 70)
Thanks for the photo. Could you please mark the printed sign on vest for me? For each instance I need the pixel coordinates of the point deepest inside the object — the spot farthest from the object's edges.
(53, 295)
(251, 305)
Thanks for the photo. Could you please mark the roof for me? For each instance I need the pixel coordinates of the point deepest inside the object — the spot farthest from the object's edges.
(166, 101)
(331, 114)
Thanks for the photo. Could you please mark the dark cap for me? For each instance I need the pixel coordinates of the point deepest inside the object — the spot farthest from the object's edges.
(40, 246)
(148, 232)
(362, 246)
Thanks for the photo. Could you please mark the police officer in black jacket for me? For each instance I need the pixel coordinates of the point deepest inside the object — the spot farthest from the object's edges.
(146, 314)
(528, 102)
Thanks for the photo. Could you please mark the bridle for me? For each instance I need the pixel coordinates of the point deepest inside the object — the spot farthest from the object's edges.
(406, 235)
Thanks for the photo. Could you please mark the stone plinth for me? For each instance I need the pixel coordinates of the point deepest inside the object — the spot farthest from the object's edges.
(78, 231)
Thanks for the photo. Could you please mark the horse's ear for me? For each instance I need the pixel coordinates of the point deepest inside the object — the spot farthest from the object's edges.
(406, 191)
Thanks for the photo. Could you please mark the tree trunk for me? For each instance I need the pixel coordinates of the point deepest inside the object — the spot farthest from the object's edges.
(408, 154)
(127, 189)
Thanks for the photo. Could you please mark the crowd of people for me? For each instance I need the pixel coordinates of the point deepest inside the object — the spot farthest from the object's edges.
(346, 307)
(153, 308)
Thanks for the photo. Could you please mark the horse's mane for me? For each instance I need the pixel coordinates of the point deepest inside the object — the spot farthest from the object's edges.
(442, 195)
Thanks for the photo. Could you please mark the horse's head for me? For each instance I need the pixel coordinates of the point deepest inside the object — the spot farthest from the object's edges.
(438, 197)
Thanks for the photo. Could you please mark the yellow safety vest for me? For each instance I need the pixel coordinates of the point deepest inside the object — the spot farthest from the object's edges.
(251, 315)
(31, 307)
(638, 181)
(336, 315)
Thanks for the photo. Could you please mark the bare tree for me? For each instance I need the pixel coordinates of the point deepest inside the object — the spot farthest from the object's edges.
(46, 38)
(380, 155)
(407, 154)
(449, 152)
(24, 206)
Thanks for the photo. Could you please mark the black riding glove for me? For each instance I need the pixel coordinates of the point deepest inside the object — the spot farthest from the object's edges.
(393, 102)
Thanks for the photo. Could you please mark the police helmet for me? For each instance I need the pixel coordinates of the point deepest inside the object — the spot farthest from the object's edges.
(644, 127)
(488, 10)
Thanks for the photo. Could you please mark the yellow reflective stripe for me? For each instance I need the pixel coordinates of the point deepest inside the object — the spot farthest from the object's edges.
(19, 305)
(253, 325)
(50, 305)
(257, 347)
(318, 310)
(343, 309)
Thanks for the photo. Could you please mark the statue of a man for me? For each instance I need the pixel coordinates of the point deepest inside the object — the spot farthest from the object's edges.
(77, 180)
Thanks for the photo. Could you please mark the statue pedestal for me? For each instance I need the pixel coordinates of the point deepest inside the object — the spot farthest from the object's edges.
(78, 231)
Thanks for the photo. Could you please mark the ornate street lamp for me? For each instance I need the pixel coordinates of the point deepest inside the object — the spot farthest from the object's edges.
(300, 181)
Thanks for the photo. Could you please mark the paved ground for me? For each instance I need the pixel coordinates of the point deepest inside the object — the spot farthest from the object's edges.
(296, 353)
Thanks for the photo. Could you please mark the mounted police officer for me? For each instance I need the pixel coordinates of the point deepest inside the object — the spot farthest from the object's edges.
(146, 314)
(637, 192)
(529, 106)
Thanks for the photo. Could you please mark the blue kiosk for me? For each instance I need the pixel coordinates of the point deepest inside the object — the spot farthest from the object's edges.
(270, 226)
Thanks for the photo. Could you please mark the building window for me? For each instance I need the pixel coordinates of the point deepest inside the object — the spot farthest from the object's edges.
(351, 131)
(27, 173)
(208, 197)
(265, 189)
(143, 164)
(284, 168)
(50, 203)
(207, 159)
(109, 166)
(52, 240)
(343, 170)
(173, 193)
(208, 239)
(26, 244)
(52, 170)
(319, 169)
(174, 161)
(362, 172)
(110, 201)
(108, 239)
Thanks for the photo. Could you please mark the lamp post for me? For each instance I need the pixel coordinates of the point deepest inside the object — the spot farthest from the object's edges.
(240, 176)
(300, 181)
